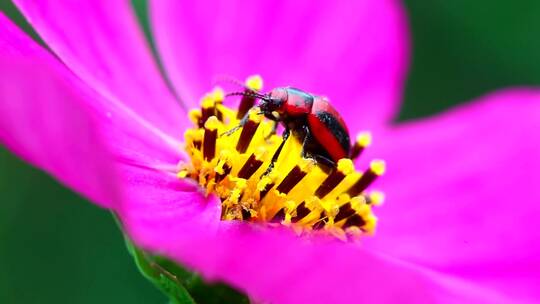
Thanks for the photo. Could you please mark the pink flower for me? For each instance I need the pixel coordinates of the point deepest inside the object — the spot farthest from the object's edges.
(462, 188)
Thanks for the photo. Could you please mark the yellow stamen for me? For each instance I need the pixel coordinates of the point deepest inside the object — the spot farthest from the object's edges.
(232, 164)
(364, 139)
(254, 82)
(378, 167)
(376, 198)
(217, 95)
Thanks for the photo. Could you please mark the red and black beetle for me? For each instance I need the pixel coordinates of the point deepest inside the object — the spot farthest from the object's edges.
(310, 118)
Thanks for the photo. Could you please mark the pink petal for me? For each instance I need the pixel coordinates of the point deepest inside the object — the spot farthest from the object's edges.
(54, 121)
(355, 52)
(101, 42)
(42, 121)
(167, 216)
(463, 192)
(129, 137)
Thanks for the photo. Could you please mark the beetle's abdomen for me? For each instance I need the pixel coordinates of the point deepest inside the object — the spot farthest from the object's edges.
(329, 129)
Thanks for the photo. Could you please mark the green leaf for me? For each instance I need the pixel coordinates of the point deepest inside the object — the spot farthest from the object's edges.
(179, 284)
(167, 282)
(201, 291)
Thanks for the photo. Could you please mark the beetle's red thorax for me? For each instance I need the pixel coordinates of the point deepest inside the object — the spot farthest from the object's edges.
(298, 103)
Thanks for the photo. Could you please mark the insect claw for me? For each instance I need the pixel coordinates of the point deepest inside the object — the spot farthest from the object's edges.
(268, 170)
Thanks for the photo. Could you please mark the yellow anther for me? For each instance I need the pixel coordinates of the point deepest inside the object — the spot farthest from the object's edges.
(190, 135)
(207, 101)
(235, 195)
(254, 82)
(263, 182)
(376, 198)
(219, 167)
(212, 123)
(358, 202)
(194, 115)
(218, 95)
(345, 166)
(378, 167)
(363, 210)
(182, 174)
(290, 205)
(240, 183)
(371, 223)
(364, 139)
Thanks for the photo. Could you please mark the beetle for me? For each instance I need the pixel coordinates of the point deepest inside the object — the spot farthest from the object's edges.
(310, 118)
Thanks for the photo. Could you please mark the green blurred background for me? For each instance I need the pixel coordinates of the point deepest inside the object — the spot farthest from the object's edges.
(57, 248)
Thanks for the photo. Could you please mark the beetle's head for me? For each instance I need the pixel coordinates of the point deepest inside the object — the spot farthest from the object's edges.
(274, 101)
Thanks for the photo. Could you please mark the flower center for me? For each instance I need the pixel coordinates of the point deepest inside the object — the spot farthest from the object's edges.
(232, 160)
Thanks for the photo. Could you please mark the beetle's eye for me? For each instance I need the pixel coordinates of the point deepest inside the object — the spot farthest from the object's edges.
(297, 192)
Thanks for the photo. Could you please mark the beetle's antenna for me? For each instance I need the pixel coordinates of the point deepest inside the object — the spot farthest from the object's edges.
(226, 78)
(249, 94)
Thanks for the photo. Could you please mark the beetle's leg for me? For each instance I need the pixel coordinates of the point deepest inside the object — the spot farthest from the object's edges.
(308, 140)
(305, 142)
(324, 160)
(286, 134)
(243, 121)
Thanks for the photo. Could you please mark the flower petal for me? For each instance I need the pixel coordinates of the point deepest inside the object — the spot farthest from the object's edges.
(462, 192)
(53, 120)
(130, 137)
(43, 123)
(101, 43)
(353, 51)
(168, 216)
